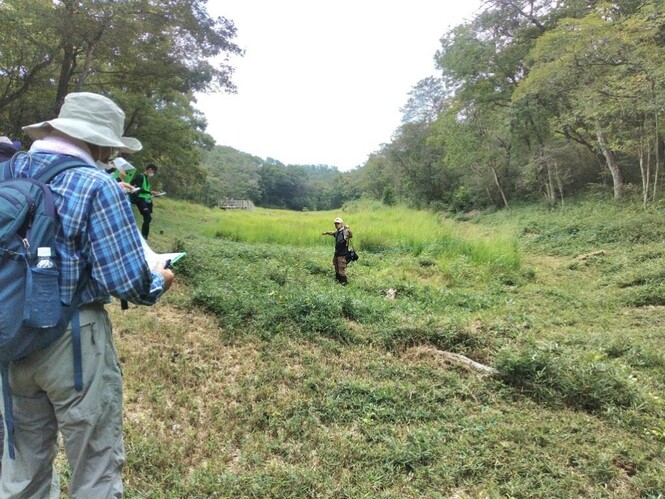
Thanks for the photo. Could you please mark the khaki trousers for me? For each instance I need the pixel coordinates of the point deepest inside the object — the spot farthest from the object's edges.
(339, 262)
(45, 402)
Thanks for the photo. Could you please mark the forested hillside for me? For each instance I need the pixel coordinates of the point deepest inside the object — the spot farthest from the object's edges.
(271, 184)
(535, 100)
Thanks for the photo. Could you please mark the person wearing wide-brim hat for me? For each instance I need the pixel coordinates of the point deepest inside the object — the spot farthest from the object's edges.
(342, 234)
(91, 118)
(7, 149)
(96, 236)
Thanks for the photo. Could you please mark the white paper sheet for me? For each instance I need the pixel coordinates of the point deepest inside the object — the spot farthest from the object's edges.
(158, 260)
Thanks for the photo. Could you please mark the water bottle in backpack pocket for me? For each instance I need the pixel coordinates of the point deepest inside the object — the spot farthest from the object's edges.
(43, 296)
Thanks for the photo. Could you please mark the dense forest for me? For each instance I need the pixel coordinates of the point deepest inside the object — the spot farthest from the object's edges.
(269, 183)
(534, 100)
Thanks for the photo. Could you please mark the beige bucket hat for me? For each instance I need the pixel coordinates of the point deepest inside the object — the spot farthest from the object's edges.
(89, 117)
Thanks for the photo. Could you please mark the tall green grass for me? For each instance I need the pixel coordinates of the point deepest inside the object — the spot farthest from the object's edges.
(376, 229)
(259, 376)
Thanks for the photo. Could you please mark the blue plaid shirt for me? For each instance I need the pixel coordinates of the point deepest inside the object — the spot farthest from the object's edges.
(97, 230)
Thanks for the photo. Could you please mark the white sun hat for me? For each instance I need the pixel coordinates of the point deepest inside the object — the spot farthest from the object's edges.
(89, 117)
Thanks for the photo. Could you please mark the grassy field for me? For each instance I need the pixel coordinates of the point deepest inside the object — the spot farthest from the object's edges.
(260, 376)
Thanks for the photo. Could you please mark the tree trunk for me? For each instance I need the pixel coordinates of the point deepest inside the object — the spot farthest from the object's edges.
(559, 183)
(87, 66)
(462, 360)
(611, 162)
(498, 185)
(550, 190)
(68, 60)
(645, 172)
(66, 68)
(89, 54)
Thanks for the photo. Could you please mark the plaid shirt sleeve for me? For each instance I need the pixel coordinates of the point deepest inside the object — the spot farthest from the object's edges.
(97, 230)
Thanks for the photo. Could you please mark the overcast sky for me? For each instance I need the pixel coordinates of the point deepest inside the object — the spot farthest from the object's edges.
(323, 82)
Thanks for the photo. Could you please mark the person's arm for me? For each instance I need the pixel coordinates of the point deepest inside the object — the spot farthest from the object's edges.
(328, 233)
(118, 259)
(125, 186)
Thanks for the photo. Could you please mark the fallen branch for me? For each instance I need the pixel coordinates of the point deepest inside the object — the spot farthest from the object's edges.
(461, 360)
(466, 362)
(589, 256)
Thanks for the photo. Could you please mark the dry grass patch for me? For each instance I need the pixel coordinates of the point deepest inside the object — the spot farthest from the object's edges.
(181, 378)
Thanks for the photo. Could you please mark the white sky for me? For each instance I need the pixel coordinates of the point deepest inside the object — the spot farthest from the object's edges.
(323, 82)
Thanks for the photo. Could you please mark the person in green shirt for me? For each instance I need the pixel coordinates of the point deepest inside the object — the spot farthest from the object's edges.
(143, 197)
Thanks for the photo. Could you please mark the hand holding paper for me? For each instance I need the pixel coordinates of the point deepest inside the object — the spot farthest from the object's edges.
(159, 260)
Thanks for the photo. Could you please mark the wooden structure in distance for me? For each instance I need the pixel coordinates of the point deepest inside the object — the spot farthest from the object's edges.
(236, 204)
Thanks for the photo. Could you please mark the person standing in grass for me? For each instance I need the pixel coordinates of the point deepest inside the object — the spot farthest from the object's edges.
(342, 234)
(143, 197)
(96, 244)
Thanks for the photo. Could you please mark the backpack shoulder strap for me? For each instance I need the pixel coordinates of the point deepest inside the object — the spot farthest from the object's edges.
(59, 166)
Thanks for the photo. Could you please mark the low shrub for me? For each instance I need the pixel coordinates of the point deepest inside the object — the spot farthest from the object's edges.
(555, 378)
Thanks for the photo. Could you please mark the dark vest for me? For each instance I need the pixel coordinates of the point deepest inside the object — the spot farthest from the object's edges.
(341, 244)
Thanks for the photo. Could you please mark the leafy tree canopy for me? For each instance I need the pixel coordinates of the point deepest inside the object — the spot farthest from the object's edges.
(150, 56)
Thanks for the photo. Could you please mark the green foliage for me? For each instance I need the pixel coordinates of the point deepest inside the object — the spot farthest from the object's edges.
(461, 199)
(578, 382)
(232, 174)
(149, 56)
(388, 196)
(379, 174)
(532, 98)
